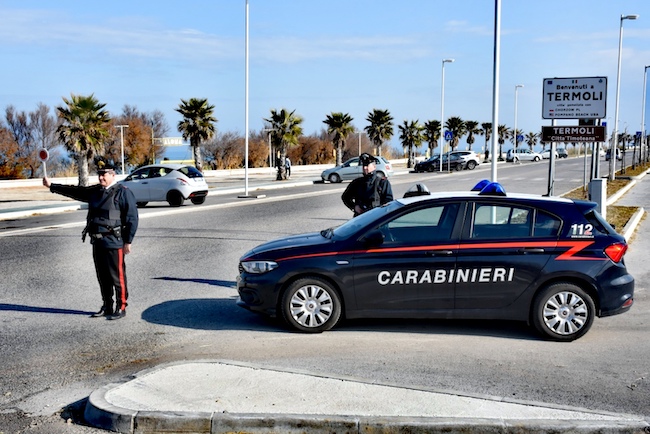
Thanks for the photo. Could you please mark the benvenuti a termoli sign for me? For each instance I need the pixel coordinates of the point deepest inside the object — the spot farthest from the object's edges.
(574, 98)
(573, 134)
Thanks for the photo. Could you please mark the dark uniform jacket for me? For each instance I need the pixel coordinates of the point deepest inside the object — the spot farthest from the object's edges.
(368, 191)
(112, 213)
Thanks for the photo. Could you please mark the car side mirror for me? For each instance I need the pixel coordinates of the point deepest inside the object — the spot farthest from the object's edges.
(373, 238)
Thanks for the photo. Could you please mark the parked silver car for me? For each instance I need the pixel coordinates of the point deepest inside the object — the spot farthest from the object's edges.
(522, 154)
(351, 169)
(171, 183)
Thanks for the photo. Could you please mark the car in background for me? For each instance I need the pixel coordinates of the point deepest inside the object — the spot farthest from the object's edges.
(450, 162)
(546, 154)
(562, 153)
(426, 165)
(484, 254)
(351, 169)
(171, 183)
(522, 154)
(619, 155)
(470, 158)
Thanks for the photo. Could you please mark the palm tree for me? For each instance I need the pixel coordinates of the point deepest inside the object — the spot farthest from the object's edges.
(431, 134)
(457, 128)
(197, 125)
(513, 137)
(340, 126)
(541, 142)
(285, 131)
(487, 131)
(84, 126)
(472, 129)
(531, 140)
(504, 134)
(380, 128)
(411, 137)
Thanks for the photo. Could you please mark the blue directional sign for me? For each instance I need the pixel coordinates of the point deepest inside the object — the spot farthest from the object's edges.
(449, 135)
(520, 138)
(638, 133)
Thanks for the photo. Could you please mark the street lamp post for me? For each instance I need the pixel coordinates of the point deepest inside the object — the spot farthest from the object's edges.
(442, 109)
(517, 86)
(612, 151)
(121, 127)
(641, 144)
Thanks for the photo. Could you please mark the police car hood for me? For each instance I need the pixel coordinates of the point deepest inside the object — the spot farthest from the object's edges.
(280, 246)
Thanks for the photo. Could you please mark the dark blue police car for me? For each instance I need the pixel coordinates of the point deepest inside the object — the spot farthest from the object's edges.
(552, 262)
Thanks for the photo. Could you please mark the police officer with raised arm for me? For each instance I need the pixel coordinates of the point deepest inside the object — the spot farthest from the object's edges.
(111, 225)
(368, 191)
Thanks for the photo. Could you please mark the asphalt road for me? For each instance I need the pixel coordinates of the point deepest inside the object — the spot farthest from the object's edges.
(182, 283)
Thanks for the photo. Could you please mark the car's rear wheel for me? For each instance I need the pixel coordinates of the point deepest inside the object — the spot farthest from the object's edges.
(198, 200)
(471, 165)
(141, 204)
(335, 178)
(175, 198)
(536, 159)
(310, 304)
(563, 312)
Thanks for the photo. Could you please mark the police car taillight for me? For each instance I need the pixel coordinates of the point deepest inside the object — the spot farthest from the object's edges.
(615, 252)
(182, 181)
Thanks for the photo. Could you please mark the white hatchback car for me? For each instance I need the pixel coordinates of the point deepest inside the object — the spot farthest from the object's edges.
(172, 183)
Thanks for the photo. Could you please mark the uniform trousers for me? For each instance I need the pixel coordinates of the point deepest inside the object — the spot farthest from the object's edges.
(111, 274)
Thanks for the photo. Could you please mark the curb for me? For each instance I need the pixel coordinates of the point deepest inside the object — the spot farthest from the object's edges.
(101, 413)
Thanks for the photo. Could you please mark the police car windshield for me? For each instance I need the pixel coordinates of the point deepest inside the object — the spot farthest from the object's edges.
(361, 221)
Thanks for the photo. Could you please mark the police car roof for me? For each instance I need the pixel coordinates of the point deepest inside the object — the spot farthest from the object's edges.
(482, 189)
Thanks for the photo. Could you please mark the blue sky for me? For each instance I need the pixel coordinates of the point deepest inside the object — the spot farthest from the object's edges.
(318, 57)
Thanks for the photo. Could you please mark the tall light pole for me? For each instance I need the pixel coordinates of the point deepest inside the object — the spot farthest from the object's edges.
(517, 86)
(645, 79)
(496, 62)
(121, 127)
(612, 152)
(442, 109)
(246, 106)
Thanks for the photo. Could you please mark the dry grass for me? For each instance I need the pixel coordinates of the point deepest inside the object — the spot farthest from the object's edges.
(617, 216)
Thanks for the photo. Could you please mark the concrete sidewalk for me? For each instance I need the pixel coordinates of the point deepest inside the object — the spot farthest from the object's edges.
(224, 397)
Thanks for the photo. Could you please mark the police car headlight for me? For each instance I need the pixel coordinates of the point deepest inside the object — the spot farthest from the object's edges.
(259, 267)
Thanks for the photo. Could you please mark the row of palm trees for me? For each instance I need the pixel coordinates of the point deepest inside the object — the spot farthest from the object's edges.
(85, 124)
(413, 134)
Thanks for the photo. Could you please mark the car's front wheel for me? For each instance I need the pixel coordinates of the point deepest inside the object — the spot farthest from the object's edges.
(536, 159)
(471, 165)
(335, 178)
(175, 198)
(310, 304)
(563, 312)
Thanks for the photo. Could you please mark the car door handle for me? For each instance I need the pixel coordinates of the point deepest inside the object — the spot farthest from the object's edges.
(532, 250)
(440, 253)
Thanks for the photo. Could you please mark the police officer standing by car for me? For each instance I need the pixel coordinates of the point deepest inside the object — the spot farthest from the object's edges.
(368, 191)
(111, 225)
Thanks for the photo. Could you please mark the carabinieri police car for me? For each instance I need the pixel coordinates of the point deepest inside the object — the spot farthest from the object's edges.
(552, 262)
